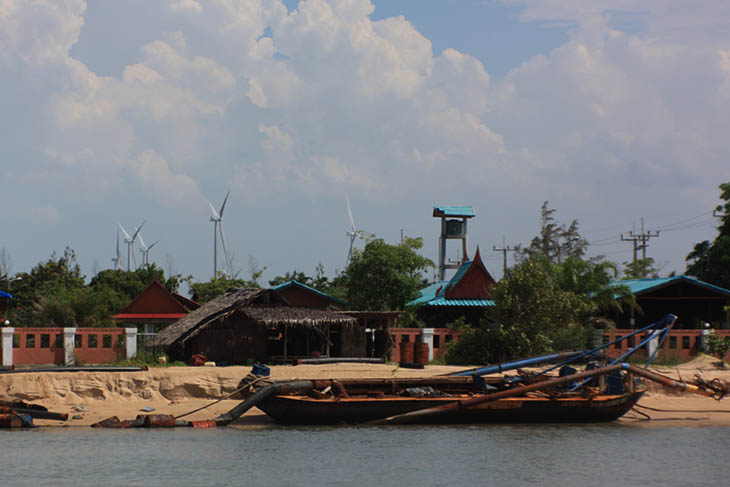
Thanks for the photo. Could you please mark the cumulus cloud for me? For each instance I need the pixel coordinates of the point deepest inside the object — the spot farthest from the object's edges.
(322, 98)
(154, 171)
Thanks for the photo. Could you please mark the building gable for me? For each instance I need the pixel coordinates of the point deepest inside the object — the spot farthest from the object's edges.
(472, 281)
(156, 305)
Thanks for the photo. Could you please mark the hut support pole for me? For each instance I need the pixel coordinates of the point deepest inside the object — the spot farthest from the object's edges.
(328, 339)
(286, 340)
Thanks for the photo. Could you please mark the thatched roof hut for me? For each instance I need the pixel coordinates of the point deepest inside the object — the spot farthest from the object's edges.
(253, 324)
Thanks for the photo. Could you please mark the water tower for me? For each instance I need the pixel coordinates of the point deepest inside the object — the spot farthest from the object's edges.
(453, 227)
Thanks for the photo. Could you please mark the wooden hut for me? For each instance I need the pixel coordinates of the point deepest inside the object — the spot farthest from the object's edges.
(245, 325)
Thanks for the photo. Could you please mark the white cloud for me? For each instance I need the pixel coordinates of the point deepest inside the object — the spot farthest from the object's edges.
(186, 6)
(324, 100)
(154, 171)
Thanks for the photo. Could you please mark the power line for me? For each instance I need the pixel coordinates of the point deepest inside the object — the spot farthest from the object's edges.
(504, 251)
(642, 237)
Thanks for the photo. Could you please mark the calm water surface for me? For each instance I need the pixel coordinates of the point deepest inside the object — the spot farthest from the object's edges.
(545, 455)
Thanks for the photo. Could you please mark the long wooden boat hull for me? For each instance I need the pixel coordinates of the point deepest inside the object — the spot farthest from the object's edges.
(305, 410)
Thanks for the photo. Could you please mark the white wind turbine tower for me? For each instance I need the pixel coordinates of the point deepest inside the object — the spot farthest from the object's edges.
(353, 233)
(117, 259)
(217, 219)
(145, 250)
(130, 245)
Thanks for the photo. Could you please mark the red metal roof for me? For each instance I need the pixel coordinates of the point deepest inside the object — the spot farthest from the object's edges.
(149, 316)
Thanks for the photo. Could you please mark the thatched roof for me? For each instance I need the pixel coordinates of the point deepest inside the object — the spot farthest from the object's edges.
(264, 306)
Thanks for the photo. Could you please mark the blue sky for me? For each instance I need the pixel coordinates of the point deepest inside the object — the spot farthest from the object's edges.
(143, 111)
(488, 30)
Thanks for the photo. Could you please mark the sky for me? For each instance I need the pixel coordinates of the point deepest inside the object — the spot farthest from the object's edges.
(130, 111)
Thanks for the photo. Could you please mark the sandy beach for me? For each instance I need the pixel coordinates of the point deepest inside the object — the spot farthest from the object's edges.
(92, 396)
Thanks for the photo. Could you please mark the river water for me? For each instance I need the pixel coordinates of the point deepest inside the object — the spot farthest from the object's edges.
(503, 455)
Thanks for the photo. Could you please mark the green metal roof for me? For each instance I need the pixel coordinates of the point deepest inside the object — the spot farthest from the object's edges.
(462, 211)
(641, 286)
(304, 286)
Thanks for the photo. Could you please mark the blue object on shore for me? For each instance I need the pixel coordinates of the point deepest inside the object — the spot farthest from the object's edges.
(259, 369)
(3, 294)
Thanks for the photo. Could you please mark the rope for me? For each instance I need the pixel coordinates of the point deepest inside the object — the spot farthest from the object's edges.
(223, 398)
(683, 410)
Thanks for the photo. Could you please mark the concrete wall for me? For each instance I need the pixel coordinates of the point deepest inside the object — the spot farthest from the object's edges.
(66, 346)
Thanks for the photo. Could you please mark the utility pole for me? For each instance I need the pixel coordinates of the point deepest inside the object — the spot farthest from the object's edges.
(642, 237)
(504, 251)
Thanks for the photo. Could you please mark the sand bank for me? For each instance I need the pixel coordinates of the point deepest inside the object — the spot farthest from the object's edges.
(92, 396)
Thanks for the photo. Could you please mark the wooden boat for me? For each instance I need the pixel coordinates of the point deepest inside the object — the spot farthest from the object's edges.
(368, 400)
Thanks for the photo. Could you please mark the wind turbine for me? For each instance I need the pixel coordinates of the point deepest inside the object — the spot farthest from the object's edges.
(117, 258)
(130, 245)
(145, 250)
(217, 219)
(353, 233)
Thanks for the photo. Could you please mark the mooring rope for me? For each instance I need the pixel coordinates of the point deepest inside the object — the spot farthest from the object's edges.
(684, 410)
(249, 384)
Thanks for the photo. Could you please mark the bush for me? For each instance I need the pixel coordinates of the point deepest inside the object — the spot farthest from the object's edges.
(494, 343)
(719, 347)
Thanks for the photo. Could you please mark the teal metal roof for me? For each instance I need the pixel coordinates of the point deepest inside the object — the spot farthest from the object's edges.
(463, 211)
(304, 286)
(429, 293)
(433, 295)
(640, 286)
(480, 303)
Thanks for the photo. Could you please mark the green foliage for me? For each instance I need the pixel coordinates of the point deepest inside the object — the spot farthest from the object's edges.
(719, 347)
(530, 299)
(50, 283)
(641, 269)
(710, 262)
(556, 242)
(488, 344)
(318, 282)
(147, 358)
(385, 277)
(203, 292)
(541, 306)
(409, 319)
(54, 293)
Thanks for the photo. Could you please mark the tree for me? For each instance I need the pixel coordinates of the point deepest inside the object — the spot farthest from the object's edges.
(541, 306)
(555, 241)
(385, 277)
(300, 277)
(120, 287)
(33, 290)
(641, 269)
(710, 262)
(203, 292)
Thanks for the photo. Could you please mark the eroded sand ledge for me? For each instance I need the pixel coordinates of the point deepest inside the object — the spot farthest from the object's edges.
(176, 390)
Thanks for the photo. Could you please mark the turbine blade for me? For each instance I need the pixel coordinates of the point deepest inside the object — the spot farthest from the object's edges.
(215, 213)
(148, 248)
(223, 206)
(349, 212)
(136, 232)
(126, 235)
(142, 244)
(225, 250)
